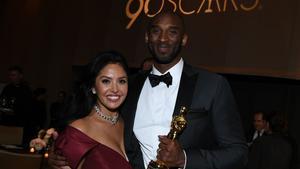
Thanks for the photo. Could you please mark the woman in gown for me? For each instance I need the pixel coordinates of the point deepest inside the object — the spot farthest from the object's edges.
(93, 137)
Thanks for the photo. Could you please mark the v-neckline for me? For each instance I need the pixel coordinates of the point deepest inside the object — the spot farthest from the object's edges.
(97, 142)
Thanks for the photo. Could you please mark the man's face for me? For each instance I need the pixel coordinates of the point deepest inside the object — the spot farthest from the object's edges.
(165, 38)
(258, 122)
(15, 77)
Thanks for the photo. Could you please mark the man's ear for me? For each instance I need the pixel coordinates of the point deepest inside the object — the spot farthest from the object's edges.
(146, 37)
(184, 40)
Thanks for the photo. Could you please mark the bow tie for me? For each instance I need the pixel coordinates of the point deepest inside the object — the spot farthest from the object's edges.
(155, 79)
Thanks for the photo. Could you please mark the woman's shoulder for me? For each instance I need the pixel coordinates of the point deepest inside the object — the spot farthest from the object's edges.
(69, 133)
(73, 144)
(72, 139)
(74, 134)
(78, 124)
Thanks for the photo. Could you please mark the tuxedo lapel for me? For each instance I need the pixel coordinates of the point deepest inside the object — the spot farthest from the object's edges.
(186, 88)
(132, 146)
(134, 94)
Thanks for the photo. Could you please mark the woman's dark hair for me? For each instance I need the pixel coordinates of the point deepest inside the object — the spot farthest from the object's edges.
(83, 99)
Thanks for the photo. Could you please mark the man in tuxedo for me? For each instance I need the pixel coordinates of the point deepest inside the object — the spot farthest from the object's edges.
(273, 150)
(260, 126)
(213, 137)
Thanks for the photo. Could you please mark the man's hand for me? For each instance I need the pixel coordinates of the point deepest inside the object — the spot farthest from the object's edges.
(55, 160)
(170, 152)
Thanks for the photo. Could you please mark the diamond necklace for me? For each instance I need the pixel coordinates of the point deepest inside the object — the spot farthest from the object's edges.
(112, 119)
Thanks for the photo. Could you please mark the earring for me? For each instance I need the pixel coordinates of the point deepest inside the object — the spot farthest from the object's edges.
(93, 91)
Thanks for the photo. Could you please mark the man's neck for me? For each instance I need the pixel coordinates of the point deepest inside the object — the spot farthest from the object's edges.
(162, 68)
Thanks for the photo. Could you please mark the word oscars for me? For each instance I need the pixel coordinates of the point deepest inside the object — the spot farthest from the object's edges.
(186, 7)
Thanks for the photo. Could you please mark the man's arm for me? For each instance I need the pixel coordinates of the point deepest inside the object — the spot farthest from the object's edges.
(56, 161)
(231, 149)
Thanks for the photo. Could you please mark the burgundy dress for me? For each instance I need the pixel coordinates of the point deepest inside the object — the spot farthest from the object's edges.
(75, 145)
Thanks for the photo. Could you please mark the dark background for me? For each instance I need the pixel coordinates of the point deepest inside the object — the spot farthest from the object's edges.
(269, 94)
(258, 51)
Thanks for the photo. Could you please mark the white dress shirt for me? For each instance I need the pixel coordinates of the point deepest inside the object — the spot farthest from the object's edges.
(258, 134)
(154, 112)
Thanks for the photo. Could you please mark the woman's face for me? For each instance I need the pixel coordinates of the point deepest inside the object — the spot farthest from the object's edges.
(111, 87)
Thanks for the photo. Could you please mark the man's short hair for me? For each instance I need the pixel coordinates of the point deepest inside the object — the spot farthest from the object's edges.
(16, 68)
(165, 12)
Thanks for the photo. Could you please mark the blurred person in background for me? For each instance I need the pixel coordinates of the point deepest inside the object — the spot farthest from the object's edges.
(260, 126)
(17, 98)
(147, 64)
(272, 150)
(57, 108)
(39, 116)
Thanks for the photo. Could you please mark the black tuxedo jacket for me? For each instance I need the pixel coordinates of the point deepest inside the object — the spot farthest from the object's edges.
(213, 137)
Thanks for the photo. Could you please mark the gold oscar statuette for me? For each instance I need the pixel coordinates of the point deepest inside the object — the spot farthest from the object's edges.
(177, 125)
